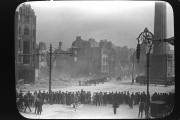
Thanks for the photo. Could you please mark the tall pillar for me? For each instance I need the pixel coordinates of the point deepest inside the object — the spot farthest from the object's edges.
(160, 29)
(158, 59)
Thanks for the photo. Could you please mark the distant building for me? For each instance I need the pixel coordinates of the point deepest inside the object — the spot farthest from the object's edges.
(63, 62)
(108, 58)
(25, 42)
(93, 58)
(42, 53)
(87, 57)
(42, 71)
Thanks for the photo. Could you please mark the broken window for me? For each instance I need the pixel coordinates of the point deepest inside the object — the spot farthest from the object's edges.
(26, 30)
(26, 52)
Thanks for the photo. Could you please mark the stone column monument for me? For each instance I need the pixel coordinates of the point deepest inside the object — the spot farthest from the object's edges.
(159, 58)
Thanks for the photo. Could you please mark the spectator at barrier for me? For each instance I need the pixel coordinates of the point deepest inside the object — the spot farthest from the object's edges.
(27, 102)
(115, 106)
(141, 109)
(101, 98)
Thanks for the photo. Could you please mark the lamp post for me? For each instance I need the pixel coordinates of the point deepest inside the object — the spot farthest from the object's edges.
(133, 67)
(146, 37)
(50, 68)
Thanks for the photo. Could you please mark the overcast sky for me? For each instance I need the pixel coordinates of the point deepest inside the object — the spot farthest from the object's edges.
(116, 21)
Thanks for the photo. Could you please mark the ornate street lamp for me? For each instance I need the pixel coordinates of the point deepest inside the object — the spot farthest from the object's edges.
(146, 37)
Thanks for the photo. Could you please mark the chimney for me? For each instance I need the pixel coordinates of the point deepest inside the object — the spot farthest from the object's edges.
(60, 45)
(78, 38)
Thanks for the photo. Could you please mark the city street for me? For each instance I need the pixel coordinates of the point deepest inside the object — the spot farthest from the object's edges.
(89, 52)
(58, 111)
(91, 111)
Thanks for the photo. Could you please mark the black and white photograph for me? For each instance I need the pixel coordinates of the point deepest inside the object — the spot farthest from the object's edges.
(94, 59)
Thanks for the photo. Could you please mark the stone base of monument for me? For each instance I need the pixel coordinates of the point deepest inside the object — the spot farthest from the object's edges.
(155, 80)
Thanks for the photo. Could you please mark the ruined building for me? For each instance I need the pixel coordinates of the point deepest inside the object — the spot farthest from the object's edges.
(25, 43)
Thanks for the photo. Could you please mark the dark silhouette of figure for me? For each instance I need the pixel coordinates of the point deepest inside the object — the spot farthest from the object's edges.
(115, 106)
(141, 109)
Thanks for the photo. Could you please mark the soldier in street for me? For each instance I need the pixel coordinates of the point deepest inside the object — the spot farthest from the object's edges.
(36, 105)
(115, 106)
(79, 82)
(75, 102)
(100, 98)
(27, 103)
(131, 102)
(141, 109)
(97, 99)
(43, 96)
(105, 99)
(40, 103)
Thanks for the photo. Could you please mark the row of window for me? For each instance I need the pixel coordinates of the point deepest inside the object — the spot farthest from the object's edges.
(27, 31)
(105, 52)
(104, 59)
(27, 19)
(26, 45)
(105, 67)
(25, 59)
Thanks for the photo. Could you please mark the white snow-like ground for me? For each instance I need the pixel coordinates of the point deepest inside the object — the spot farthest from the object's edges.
(58, 111)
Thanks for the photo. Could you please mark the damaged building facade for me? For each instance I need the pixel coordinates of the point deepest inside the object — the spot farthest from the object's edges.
(96, 59)
(25, 43)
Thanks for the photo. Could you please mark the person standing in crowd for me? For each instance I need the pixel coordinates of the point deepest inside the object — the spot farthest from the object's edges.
(97, 99)
(40, 103)
(100, 98)
(141, 109)
(35, 97)
(27, 102)
(115, 106)
(36, 105)
(131, 102)
(105, 99)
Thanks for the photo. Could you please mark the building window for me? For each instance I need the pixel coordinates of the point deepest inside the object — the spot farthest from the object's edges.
(104, 59)
(19, 17)
(26, 19)
(75, 59)
(104, 68)
(19, 30)
(19, 58)
(33, 33)
(26, 30)
(26, 52)
(75, 52)
(33, 45)
(33, 59)
(20, 44)
(104, 52)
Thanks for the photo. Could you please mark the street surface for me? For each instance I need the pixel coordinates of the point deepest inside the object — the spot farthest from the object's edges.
(91, 111)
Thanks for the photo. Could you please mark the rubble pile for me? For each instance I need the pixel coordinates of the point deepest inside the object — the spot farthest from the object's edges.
(43, 83)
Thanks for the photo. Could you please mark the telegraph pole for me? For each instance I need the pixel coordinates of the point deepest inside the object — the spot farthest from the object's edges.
(50, 72)
(51, 60)
(148, 72)
(133, 70)
(146, 37)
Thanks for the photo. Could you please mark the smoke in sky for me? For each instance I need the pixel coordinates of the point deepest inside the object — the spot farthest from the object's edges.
(117, 21)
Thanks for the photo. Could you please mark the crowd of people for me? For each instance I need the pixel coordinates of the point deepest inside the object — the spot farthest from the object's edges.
(37, 99)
